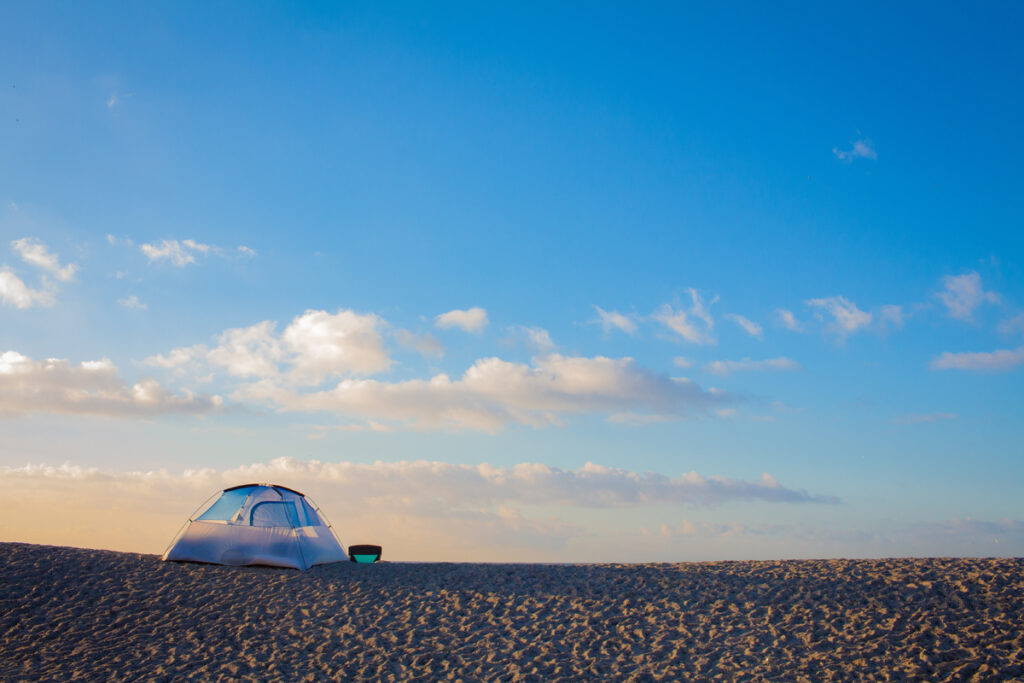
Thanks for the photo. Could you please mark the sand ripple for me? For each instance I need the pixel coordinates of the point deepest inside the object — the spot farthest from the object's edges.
(70, 614)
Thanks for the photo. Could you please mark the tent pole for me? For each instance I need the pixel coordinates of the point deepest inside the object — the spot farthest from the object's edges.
(186, 525)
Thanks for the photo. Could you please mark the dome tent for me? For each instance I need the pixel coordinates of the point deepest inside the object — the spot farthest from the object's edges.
(264, 524)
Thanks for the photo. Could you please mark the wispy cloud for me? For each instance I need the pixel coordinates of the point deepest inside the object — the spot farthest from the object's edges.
(860, 149)
(748, 325)
(990, 361)
(923, 418)
(788, 320)
(132, 301)
(56, 385)
(471, 320)
(14, 291)
(963, 294)
(1014, 325)
(725, 367)
(614, 320)
(425, 344)
(183, 253)
(694, 325)
(846, 317)
(35, 253)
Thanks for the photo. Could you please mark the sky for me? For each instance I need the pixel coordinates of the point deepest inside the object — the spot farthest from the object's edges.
(497, 283)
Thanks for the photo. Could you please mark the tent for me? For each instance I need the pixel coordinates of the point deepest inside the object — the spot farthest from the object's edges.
(263, 524)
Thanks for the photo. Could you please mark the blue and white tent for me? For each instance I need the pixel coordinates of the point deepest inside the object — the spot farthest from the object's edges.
(264, 524)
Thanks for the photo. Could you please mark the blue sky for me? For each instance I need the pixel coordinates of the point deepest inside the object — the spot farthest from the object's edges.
(250, 223)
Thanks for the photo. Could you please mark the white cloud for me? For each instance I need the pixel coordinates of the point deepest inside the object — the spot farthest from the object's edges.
(847, 318)
(425, 344)
(493, 394)
(14, 292)
(418, 510)
(963, 294)
(992, 361)
(315, 346)
(246, 351)
(170, 250)
(55, 385)
(471, 320)
(35, 253)
(725, 367)
(246, 251)
(682, 362)
(614, 319)
(925, 418)
(343, 343)
(539, 339)
(132, 301)
(788, 320)
(749, 326)
(695, 325)
(861, 149)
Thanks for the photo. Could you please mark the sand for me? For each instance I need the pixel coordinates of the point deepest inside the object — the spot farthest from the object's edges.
(72, 614)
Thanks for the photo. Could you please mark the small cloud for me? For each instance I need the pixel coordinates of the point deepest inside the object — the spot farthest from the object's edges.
(749, 326)
(725, 367)
(246, 251)
(892, 315)
(132, 301)
(35, 253)
(919, 419)
(681, 362)
(861, 149)
(170, 250)
(991, 361)
(1014, 325)
(538, 338)
(847, 318)
(616, 320)
(963, 294)
(788, 320)
(694, 325)
(470, 320)
(14, 292)
(112, 101)
(114, 241)
(425, 344)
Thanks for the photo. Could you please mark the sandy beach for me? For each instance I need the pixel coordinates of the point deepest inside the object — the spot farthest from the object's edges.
(73, 614)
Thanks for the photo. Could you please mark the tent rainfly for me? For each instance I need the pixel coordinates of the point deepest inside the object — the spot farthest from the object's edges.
(264, 524)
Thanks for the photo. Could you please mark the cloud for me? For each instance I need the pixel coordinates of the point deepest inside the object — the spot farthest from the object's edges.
(749, 326)
(963, 294)
(788, 320)
(892, 315)
(992, 361)
(847, 318)
(35, 253)
(725, 367)
(695, 325)
(425, 344)
(919, 419)
(170, 250)
(471, 320)
(493, 394)
(245, 251)
(132, 301)
(682, 362)
(424, 510)
(538, 338)
(55, 385)
(861, 149)
(14, 292)
(616, 320)
(1014, 325)
(315, 346)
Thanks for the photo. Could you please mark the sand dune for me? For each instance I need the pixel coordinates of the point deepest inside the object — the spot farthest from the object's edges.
(70, 614)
